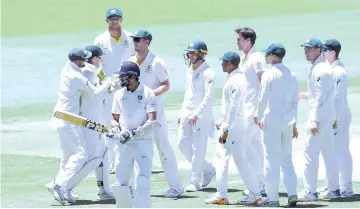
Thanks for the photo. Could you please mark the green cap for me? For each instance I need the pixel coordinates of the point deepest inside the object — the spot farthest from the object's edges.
(197, 46)
(314, 42)
(276, 49)
(142, 33)
(113, 12)
(332, 44)
(232, 57)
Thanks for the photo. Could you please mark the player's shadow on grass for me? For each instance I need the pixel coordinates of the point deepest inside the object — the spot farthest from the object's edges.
(306, 205)
(184, 196)
(91, 202)
(156, 172)
(214, 190)
(355, 198)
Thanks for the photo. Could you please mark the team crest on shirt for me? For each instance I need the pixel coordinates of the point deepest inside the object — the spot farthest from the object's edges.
(318, 79)
(126, 42)
(197, 77)
(140, 97)
(148, 69)
(338, 81)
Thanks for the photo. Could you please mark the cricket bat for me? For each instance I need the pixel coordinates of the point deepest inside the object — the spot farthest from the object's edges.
(81, 121)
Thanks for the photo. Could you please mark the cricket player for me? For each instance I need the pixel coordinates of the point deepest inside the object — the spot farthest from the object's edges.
(276, 116)
(75, 159)
(93, 109)
(154, 75)
(320, 136)
(231, 141)
(134, 116)
(331, 50)
(117, 47)
(252, 65)
(196, 115)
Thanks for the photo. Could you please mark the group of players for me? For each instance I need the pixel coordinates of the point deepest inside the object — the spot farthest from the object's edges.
(119, 82)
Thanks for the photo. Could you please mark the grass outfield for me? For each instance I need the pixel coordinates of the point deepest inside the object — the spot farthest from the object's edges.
(24, 178)
(37, 17)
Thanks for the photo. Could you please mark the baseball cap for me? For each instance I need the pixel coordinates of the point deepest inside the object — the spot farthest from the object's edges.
(129, 67)
(142, 33)
(79, 54)
(276, 49)
(113, 12)
(314, 42)
(332, 44)
(232, 57)
(95, 50)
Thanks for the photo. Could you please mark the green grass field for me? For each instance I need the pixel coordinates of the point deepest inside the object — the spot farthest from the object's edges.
(23, 175)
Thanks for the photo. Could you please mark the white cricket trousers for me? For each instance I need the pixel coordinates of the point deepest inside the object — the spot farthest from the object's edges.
(193, 144)
(322, 142)
(345, 162)
(278, 154)
(255, 151)
(138, 153)
(73, 148)
(234, 146)
(166, 152)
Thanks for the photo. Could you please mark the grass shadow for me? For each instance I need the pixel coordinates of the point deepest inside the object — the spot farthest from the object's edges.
(214, 190)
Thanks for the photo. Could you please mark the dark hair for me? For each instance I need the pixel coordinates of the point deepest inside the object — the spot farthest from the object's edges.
(247, 33)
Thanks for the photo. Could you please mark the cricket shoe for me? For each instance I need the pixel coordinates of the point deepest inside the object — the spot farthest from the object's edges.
(56, 192)
(217, 200)
(262, 192)
(292, 200)
(68, 196)
(330, 194)
(193, 187)
(174, 192)
(265, 202)
(105, 196)
(250, 199)
(347, 193)
(307, 196)
(207, 178)
(322, 189)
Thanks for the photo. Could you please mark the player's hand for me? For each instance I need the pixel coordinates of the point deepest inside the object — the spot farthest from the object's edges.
(124, 136)
(178, 120)
(223, 137)
(303, 95)
(335, 125)
(193, 120)
(295, 131)
(314, 128)
(218, 124)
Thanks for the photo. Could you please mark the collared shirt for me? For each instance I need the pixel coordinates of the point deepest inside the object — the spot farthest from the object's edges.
(133, 107)
(72, 85)
(115, 51)
(341, 79)
(199, 91)
(232, 110)
(321, 91)
(278, 96)
(152, 73)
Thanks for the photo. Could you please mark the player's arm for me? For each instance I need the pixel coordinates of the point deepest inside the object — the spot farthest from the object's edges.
(209, 79)
(295, 100)
(263, 96)
(341, 92)
(233, 95)
(259, 62)
(83, 84)
(322, 82)
(162, 76)
(116, 109)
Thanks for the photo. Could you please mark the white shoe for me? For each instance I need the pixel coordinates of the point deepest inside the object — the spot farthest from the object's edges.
(216, 200)
(193, 187)
(322, 189)
(347, 193)
(207, 178)
(330, 194)
(105, 196)
(69, 197)
(56, 192)
(265, 202)
(174, 192)
(306, 196)
(250, 199)
(262, 192)
(292, 200)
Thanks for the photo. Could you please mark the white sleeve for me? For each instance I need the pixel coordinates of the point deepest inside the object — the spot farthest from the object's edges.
(83, 84)
(161, 71)
(150, 102)
(263, 95)
(259, 62)
(322, 83)
(209, 79)
(116, 103)
(341, 93)
(233, 94)
(295, 98)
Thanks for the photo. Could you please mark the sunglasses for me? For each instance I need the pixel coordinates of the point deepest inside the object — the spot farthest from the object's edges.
(114, 18)
(136, 39)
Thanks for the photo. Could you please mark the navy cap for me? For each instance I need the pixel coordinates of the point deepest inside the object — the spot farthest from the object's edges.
(95, 50)
(314, 42)
(79, 54)
(142, 33)
(129, 67)
(232, 57)
(332, 44)
(277, 50)
(113, 12)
